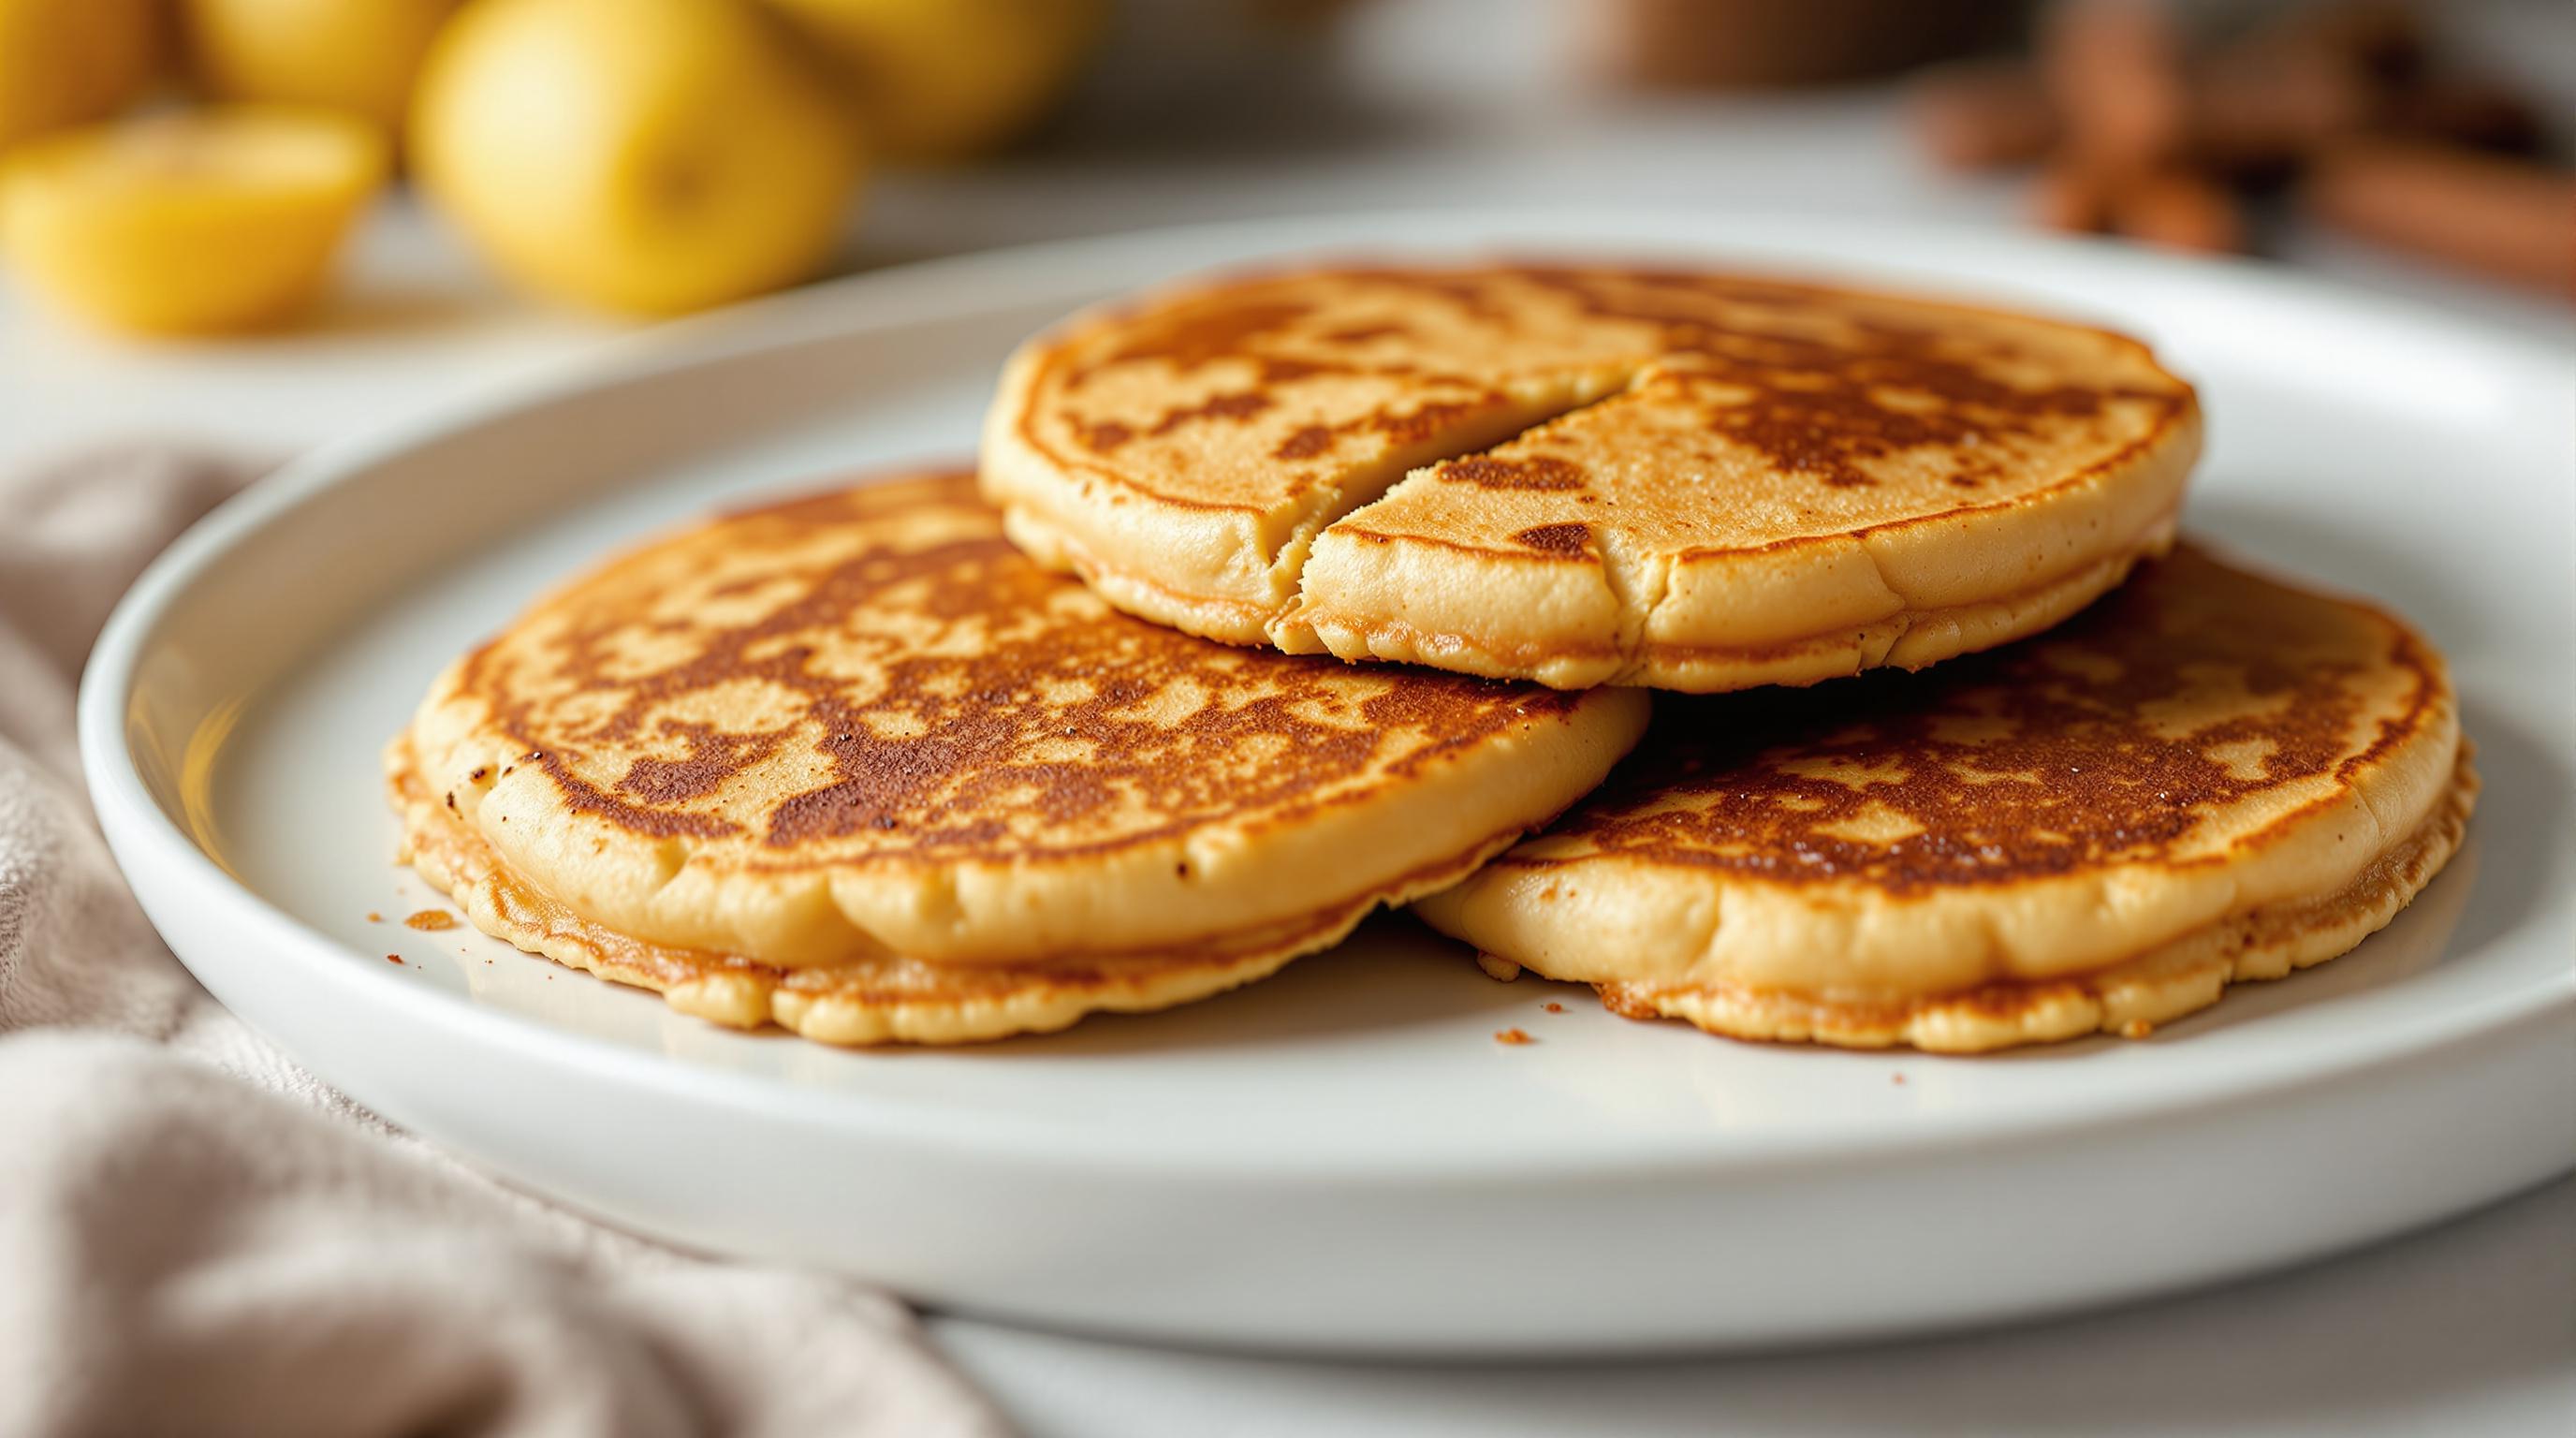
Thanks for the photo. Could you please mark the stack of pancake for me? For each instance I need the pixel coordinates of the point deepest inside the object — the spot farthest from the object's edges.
(1800, 663)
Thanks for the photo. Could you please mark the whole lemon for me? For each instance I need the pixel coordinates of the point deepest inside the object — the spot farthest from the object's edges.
(355, 55)
(944, 80)
(645, 156)
(224, 218)
(63, 62)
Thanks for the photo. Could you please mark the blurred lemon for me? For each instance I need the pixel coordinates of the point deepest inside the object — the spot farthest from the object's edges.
(648, 156)
(63, 62)
(942, 80)
(356, 55)
(217, 219)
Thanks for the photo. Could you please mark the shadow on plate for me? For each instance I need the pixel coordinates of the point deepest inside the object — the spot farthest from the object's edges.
(1392, 973)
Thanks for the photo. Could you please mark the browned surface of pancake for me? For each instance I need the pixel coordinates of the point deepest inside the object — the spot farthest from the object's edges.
(1023, 741)
(1824, 384)
(2029, 762)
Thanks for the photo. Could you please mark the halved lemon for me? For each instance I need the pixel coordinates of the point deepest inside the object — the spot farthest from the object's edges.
(195, 222)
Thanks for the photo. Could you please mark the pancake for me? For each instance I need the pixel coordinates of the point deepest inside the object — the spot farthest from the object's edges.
(1589, 475)
(855, 765)
(2208, 777)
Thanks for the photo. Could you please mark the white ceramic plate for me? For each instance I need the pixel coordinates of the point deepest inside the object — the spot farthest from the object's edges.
(1343, 1157)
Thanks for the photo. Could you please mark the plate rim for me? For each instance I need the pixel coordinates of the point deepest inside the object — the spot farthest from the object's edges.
(142, 833)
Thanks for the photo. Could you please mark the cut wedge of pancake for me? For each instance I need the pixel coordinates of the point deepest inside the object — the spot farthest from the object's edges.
(1589, 475)
(855, 765)
(2207, 777)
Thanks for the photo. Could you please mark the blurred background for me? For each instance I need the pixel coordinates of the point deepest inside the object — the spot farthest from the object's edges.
(266, 222)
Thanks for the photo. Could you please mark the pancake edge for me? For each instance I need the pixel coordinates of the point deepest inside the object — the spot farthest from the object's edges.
(1910, 638)
(2129, 999)
(837, 1004)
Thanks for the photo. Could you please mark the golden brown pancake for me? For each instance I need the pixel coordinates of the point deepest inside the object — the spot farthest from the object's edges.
(854, 764)
(1589, 475)
(2207, 777)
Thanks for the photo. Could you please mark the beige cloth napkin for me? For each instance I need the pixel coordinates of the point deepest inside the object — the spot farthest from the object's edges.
(197, 1237)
